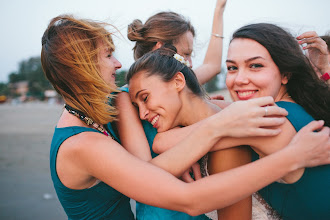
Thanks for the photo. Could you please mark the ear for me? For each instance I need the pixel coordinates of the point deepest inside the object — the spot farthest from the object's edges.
(179, 81)
(285, 78)
(158, 45)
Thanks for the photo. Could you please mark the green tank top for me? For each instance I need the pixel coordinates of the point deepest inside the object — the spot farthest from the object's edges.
(98, 202)
(309, 197)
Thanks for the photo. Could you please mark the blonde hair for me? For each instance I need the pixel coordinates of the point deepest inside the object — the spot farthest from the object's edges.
(69, 57)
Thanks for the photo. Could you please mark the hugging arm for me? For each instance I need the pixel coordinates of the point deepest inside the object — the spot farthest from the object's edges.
(308, 148)
(168, 139)
(134, 141)
(212, 62)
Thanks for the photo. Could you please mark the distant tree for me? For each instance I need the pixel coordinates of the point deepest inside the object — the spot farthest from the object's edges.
(4, 90)
(212, 85)
(216, 83)
(31, 71)
(15, 77)
(121, 78)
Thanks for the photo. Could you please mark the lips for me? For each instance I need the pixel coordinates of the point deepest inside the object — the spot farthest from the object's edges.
(245, 95)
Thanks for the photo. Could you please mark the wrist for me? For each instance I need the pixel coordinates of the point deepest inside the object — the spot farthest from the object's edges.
(214, 128)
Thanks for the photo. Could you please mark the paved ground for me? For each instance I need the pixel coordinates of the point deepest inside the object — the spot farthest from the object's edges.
(25, 186)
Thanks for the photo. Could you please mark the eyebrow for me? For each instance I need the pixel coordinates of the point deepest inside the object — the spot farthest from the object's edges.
(246, 61)
(136, 95)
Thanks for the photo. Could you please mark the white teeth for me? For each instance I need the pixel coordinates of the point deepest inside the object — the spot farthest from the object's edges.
(155, 120)
(243, 94)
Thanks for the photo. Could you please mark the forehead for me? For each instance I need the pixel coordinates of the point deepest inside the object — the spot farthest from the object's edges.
(185, 41)
(141, 81)
(242, 48)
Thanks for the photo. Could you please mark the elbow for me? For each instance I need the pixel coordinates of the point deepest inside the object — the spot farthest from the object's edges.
(191, 205)
(194, 212)
(156, 146)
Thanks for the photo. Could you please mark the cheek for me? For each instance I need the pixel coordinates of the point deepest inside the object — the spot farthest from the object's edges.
(230, 81)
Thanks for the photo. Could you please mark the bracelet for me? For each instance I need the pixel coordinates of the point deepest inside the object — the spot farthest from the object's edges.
(325, 77)
(218, 35)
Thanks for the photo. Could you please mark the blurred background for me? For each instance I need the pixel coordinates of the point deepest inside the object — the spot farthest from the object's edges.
(29, 107)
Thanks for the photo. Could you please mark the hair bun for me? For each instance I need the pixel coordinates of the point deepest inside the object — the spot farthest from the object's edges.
(134, 30)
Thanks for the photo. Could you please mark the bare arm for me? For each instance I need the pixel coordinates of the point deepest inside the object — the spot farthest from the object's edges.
(212, 61)
(227, 159)
(130, 128)
(134, 140)
(110, 163)
(168, 139)
(228, 122)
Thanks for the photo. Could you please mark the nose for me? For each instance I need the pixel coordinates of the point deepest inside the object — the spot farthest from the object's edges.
(117, 64)
(190, 61)
(241, 78)
(144, 112)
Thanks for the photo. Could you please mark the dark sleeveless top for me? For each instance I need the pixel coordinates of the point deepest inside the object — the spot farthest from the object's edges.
(309, 197)
(98, 202)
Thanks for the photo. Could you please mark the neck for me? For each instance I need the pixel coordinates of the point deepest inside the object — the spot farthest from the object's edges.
(195, 109)
(283, 95)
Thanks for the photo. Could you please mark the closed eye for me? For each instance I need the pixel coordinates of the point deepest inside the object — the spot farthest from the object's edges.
(145, 99)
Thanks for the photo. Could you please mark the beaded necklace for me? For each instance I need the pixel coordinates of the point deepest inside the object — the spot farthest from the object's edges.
(87, 120)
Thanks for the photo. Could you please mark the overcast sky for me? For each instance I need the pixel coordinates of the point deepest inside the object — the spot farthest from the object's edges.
(23, 22)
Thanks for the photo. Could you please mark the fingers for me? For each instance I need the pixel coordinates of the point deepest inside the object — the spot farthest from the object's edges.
(312, 40)
(196, 169)
(307, 34)
(317, 43)
(313, 126)
(187, 178)
(274, 111)
(264, 132)
(262, 101)
(218, 97)
(270, 121)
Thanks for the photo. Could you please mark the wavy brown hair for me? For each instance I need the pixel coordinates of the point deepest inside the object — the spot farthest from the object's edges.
(165, 27)
(69, 57)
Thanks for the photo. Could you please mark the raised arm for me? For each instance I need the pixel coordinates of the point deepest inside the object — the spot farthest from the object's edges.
(318, 52)
(212, 62)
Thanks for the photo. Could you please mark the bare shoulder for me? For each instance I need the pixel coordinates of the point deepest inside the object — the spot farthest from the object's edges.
(75, 155)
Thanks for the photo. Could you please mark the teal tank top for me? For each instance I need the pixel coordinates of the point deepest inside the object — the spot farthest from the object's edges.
(309, 197)
(147, 212)
(98, 202)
